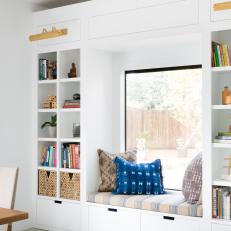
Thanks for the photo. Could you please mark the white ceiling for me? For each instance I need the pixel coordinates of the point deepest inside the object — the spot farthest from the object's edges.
(54, 3)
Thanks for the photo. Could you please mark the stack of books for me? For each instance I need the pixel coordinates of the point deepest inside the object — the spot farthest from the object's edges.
(47, 69)
(70, 156)
(220, 55)
(221, 203)
(72, 103)
(223, 137)
(49, 157)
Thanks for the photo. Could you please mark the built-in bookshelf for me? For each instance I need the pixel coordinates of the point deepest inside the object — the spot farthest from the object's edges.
(221, 121)
(59, 146)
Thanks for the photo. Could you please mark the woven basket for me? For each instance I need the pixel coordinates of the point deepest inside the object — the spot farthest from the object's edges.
(47, 185)
(70, 185)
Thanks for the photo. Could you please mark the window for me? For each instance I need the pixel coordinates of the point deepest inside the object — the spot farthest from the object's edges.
(163, 118)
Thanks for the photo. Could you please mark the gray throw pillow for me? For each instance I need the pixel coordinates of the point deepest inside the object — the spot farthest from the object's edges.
(108, 168)
(192, 182)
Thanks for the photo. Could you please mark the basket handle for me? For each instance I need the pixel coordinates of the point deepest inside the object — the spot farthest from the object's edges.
(48, 174)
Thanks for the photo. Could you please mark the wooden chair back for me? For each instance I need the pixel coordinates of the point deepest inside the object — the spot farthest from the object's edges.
(8, 185)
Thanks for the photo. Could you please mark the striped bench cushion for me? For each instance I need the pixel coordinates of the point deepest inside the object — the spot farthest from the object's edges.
(171, 202)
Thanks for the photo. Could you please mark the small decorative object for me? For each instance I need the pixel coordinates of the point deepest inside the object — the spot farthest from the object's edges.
(51, 126)
(76, 130)
(76, 96)
(226, 96)
(228, 167)
(72, 73)
(50, 102)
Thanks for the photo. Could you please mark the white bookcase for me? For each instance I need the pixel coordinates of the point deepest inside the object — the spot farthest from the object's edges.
(221, 119)
(63, 88)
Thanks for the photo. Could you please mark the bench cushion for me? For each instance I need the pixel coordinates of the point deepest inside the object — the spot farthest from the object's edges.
(171, 202)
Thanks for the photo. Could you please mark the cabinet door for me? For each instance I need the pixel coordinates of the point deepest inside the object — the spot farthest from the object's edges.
(219, 15)
(158, 16)
(105, 219)
(216, 227)
(167, 223)
(73, 33)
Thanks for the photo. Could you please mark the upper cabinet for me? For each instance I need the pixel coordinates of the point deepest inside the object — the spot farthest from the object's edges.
(155, 15)
(220, 10)
(73, 28)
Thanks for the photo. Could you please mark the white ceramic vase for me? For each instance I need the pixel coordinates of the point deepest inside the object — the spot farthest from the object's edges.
(51, 131)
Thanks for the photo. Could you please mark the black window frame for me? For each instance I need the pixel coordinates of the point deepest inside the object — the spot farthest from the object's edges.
(173, 68)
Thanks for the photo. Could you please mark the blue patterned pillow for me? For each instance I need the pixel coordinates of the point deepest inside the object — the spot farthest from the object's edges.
(138, 178)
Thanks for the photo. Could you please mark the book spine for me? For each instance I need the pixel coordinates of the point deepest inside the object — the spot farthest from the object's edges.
(55, 155)
(51, 153)
(78, 155)
(214, 203)
(47, 157)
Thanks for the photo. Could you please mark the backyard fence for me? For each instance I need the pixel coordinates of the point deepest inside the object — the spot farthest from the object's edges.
(160, 128)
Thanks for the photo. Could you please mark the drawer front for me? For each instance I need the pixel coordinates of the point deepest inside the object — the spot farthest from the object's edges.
(74, 32)
(168, 223)
(160, 16)
(104, 219)
(219, 15)
(216, 227)
(65, 216)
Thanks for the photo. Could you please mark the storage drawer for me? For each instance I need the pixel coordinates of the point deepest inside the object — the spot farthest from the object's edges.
(219, 15)
(65, 216)
(168, 223)
(108, 218)
(155, 17)
(74, 32)
(216, 227)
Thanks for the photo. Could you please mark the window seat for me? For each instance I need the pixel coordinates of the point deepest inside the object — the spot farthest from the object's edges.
(172, 202)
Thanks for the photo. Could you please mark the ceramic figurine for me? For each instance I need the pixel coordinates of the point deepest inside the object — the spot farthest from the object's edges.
(72, 73)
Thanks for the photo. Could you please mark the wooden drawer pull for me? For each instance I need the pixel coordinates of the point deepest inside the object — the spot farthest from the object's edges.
(222, 6)
(169, 218)
(112, 210)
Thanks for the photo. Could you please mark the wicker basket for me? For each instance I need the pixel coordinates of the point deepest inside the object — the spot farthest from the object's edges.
(70, 185)
(47, 183)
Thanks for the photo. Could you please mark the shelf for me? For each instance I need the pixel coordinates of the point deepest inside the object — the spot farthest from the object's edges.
(70, 140)
(70, 80)
(70, 110)
(53, 81)
(222, 183)
(220, 145)
(47, 110)
(221, 222)
(221, 107)
(221, 69)
(70, 170)
(48, 139)
(47, 168)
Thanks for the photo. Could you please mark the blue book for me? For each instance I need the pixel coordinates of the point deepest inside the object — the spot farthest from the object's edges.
(47, 157)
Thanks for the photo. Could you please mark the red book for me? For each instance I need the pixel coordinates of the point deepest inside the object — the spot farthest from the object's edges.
(71, 106)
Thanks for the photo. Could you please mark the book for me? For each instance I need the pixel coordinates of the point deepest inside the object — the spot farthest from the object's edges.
(223, 137)
(70, 156)
(224, 133)
(220, 54)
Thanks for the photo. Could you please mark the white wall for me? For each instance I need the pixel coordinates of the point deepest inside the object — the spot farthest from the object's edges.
(15, 98)
(167, 52)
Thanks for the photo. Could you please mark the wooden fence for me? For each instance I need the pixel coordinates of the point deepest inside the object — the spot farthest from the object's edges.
(163, 130)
